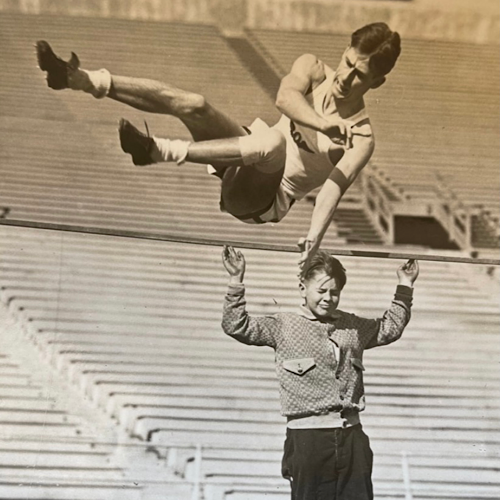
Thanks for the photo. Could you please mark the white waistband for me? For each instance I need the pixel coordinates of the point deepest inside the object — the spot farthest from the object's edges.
(328, 420)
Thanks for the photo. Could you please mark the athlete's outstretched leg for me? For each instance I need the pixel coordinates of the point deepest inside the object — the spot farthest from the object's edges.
(251, 166)
(202, 120)
(263, 150)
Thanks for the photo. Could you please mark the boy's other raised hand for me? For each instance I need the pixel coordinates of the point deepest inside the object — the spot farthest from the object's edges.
(408, 272)
(235, 264)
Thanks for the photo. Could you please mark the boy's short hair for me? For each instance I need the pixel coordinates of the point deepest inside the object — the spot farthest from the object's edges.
(327, 263)
(380, 43)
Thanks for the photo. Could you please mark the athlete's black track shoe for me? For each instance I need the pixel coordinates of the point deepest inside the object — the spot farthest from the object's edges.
(56, 68)
(135, 143)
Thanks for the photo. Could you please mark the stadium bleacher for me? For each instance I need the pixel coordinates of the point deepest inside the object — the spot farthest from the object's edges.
(132, 330)
(125, 332)
(51, 446)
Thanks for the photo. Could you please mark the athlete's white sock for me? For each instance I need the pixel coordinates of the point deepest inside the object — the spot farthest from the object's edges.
(169, 150)
(96, 83)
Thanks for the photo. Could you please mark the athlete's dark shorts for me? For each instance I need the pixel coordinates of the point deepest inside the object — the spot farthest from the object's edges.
(328, 464)
(247, 193)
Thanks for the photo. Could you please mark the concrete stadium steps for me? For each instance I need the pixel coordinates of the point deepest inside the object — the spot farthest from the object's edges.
(53, 447)
(388, 491)
(460, 58)
(423, 428)
(144, 264)
(180, 433)
(455, 91)
(82, 364)
(106, 394)
(127, 405)
(29, 458)
(387, 473)
(176, 433)
(43, 311)
(27, 407)
(256, 63)
(57, 490)
(197, 287)
(29, 487)
(58, 463)
(39, 308)
(76, 463)
(354, 225)
(267, 463)
(138, 408)
(83, 299)
(474, 477)
(93, 380)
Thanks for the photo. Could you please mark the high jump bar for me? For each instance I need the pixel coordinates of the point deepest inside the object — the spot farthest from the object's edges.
(141, 235)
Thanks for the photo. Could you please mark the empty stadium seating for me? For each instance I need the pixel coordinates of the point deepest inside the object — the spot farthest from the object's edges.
(51, 446)
(128, 331)
(134, 327)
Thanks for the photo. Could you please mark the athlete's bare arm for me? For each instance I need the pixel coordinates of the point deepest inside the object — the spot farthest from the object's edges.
(306, 74)
(351, 164)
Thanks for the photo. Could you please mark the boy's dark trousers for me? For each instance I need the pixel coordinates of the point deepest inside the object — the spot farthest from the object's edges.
(328, 464)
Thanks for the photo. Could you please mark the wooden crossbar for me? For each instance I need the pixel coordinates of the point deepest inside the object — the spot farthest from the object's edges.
(142, 235)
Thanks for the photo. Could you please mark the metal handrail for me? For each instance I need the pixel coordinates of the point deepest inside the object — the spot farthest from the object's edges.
(405, 465)
(197, 479)
(378, 205)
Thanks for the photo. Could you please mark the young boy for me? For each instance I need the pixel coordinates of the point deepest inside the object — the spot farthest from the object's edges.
(319, 354)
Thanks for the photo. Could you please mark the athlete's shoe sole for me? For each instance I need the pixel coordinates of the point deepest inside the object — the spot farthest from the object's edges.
(135, 143)
(56, 68)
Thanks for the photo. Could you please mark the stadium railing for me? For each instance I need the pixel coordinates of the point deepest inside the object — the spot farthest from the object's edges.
(383, 199)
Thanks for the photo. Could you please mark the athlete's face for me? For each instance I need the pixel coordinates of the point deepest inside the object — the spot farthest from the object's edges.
(321, 294)
(353, 77)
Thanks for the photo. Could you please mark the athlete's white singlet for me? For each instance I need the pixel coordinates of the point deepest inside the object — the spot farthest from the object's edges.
(308, 164)
(311, 156)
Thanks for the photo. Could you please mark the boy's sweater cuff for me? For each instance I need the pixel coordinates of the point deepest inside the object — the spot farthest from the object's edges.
(235, 289)
(404, 293)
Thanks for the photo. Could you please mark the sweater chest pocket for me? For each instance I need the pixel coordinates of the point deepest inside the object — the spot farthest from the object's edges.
(299, 366)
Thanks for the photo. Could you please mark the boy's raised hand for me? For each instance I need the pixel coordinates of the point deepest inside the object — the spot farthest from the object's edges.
(408, 272)
(234, 262)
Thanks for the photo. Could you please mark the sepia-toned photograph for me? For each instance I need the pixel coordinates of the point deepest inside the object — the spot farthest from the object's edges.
(249, 250)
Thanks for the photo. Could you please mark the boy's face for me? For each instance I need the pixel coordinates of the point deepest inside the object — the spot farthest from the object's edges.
(321, 294)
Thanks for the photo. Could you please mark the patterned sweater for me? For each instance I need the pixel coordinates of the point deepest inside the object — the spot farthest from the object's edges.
(312, 378)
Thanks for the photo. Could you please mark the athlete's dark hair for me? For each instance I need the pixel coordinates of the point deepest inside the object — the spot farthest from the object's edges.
(327, 263)
(380, 43)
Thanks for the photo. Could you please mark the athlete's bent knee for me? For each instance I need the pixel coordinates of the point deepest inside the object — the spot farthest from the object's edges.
(266, 150)
(196, 104)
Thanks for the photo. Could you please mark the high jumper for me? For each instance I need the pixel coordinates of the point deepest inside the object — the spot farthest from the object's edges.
(323, 138)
